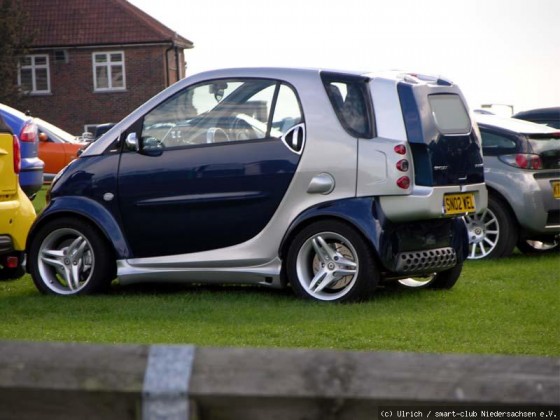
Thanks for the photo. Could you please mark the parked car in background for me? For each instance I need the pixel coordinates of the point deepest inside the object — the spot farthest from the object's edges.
(522, 174)
(31, 174)
(332, 182)
(546, 116)
(16, 211)
(57, 148)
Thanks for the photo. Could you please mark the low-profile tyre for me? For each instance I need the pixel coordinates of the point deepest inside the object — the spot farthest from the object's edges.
(69, 257)
(493, 233)
(331, 261)
(442, 280)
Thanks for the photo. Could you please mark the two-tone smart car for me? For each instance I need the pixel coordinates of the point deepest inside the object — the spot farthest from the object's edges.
(330, 182)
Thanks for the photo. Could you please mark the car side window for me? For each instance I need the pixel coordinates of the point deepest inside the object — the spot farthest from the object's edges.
(494, 144)
(222, 111)
(349, 99)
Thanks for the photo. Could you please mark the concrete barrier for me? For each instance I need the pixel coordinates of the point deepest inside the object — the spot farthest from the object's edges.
(82, 381)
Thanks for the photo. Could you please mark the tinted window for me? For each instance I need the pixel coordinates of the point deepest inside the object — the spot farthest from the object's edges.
(450, 114)
(350, 100)
(223, 111)
(495, 144)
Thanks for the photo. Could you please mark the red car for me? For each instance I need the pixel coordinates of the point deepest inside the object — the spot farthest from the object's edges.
(57, 148)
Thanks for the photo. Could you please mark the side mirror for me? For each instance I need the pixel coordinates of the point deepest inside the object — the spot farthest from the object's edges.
(132, 142)
(148, 146)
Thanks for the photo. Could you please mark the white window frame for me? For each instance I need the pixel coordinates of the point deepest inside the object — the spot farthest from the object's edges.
(108, 66)
(34, 67)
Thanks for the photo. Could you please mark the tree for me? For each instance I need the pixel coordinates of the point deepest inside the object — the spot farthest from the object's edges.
(15, 40)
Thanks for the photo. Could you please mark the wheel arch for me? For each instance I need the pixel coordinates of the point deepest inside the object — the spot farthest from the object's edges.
(357, 213)
(89, 211)
(497, 195)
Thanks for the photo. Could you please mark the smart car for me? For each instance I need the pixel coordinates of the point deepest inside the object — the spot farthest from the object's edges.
(522, 164)
(16, 211)
(330, 182)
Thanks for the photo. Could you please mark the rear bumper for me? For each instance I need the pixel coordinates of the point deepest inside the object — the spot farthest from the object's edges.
(16, 217)
(31, 176)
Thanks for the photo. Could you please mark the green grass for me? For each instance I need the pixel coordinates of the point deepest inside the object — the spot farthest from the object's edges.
(508, 306)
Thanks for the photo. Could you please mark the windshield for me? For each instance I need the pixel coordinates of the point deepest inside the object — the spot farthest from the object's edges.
(52, 130)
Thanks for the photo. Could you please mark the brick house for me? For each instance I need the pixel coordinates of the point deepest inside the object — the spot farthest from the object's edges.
(94, 61)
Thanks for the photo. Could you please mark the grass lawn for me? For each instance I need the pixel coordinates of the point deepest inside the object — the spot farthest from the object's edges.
(508, 306)
(497, 307)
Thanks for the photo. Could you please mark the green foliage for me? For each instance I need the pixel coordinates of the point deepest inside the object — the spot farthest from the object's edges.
(15, 39)
(507, 306)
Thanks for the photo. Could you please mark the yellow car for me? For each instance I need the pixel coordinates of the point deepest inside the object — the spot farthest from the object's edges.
(16, 211)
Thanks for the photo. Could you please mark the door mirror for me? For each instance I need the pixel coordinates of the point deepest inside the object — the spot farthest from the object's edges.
(132, 142)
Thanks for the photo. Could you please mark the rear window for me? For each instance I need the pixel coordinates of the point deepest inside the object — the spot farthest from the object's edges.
(450, 114)
(548, 148)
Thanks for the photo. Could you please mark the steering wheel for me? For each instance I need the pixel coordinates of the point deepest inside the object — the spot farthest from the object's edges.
(216, 135)
(242, 130)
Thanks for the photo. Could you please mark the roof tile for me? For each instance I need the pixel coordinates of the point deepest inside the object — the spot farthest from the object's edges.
(66, 23)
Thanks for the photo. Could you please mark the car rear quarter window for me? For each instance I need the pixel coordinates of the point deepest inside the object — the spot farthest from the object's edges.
(450, 114)
(494, 144)
(349, 98)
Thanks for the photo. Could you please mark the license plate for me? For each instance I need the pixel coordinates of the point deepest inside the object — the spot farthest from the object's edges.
(459, 203)
(556, 189)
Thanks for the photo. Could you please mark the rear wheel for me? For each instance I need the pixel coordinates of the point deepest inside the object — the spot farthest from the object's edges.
(331, 261)
(493, 233)
(70, 257)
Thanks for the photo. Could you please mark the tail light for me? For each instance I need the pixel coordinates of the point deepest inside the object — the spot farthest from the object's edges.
(29, 133)
(402, 165)
(403, 182)
(17, 155)
(523, 161)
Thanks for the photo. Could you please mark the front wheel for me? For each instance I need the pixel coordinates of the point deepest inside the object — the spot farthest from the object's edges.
(70, 257)
(331, 261)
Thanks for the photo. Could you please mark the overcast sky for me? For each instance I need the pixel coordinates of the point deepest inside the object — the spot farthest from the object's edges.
(497, 51)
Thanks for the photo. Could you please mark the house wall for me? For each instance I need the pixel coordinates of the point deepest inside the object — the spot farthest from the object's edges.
(72, 103)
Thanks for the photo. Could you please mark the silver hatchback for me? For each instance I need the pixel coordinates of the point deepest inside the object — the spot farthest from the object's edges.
(522, 174)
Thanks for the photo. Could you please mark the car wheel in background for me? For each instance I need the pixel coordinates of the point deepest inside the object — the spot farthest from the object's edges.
(69, 257)
(442, 280)
(493, 233)
(330, 261)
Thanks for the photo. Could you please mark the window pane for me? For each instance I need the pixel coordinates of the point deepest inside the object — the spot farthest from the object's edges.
(287, 112)
(26, 61)
(101, 78)
(100, 58)
(41, 80)
(450, 114)
(116, 57)
(26, 80)
(117, 79)
(40, 60)
(223, 111)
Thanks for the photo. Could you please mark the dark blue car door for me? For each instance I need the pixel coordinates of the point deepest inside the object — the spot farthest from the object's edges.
(208, 174)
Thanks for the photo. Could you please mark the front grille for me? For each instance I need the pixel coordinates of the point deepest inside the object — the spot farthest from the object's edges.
(426, 261)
